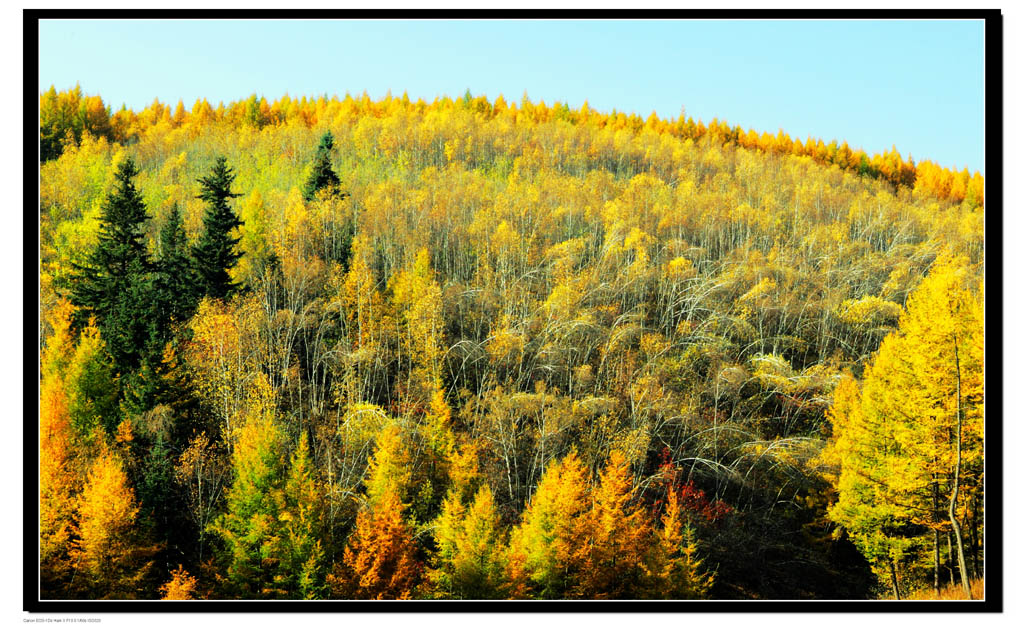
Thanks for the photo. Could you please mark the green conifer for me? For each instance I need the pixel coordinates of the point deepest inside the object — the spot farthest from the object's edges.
(322, 177)
(215, 254)
(174, 282)
(113, 285)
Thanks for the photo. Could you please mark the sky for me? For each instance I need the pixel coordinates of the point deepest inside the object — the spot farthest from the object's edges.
(917, 85)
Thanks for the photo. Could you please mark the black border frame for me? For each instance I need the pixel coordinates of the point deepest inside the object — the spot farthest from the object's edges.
(994, 77)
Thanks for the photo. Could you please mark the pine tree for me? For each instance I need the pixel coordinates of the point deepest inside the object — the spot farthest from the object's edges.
(215, 254)
(171, 299)
(113, 285)
(322, 177)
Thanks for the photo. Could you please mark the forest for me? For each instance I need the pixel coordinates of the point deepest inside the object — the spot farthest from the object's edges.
(345, 348)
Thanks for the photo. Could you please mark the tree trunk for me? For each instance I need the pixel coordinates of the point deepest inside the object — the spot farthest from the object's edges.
(949, 560)
(964, 578)
(895, 582)
(975, 539)
(935, 534)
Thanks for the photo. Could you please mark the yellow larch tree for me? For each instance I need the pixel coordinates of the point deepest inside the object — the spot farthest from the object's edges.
(618, 537)
(676, 571)
(470, 559)
(57, 481)
(109, 557)
(182, 585)
(907, 447)
(380, 559)
(548, 549)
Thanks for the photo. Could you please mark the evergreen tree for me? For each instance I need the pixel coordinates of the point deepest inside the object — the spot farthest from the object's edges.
(215, 253)
(322, 176)
(113, 284)
(174, 282)
(169, 298)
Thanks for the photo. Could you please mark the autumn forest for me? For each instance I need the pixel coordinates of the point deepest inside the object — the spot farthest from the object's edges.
(345, 348)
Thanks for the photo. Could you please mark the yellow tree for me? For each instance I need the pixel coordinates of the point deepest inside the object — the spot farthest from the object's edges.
(676, 570)
(57, 482)
(300, 512)
(390, 468)
(380, 559)
(619, 535)
(907, 447)
(201, 472)
(943, 370)
(222, 358)
(180, 586)
(110, 561)
(417, 298)
(863, 453)
(470, 559)
(547, 550)
(250, 528)
(91, 386)
(367, 323)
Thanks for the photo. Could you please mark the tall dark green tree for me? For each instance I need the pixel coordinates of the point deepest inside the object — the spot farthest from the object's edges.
(215, 254)
(113, 285)
(171, 300)
(174, 281)
(323, 176)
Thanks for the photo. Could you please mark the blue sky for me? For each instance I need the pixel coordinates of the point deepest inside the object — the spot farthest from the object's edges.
(918, 85)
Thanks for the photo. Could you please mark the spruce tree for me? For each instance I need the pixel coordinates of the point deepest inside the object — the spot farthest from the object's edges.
(322, 177)
(215, 252)
(174, 281)
(113, 284)
(170, 299)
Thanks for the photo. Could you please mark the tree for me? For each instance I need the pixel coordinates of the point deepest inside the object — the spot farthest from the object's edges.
(676, 570)
(91, 386)
(417, 299)
(181, 585)
(113, 285)
(110, 559)
(302, 570)
(202, 474)
(174, 284)
(322, 176)
(380, 559)
(250, 528)
(619, 534)
(548, 549)
(470, 559)
(909, 442)
(214, 254)
(57, 482)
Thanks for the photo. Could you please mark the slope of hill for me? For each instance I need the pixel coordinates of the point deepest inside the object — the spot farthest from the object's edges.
(500, 302)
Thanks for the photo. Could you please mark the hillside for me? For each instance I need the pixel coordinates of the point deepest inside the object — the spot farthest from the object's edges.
(515, 351)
